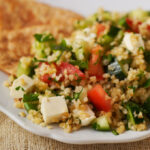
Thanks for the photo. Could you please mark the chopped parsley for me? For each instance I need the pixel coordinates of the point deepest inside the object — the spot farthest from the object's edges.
(115, 132)
(56, 92)
(38, 60)
(29, 106)
(147, 84)
(30, 97)
(147, 56)
(140, 75)
(133, 88)
(113, 31)
(44, 37)
(146, 107)
(141, 49)
(61, 47)
(75, 96)
(19, 88)
(82, 64)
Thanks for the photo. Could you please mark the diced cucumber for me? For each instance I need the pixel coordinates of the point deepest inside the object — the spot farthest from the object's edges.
(23, 70)
(101, 124)
(115, 68)
(105, 40)
(39, 49)
(80, 54)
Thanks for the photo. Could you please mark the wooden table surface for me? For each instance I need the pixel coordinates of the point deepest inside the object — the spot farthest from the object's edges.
(13, 137)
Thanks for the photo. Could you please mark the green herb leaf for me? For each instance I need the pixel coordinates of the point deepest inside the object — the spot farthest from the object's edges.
(115, 132)
(141, 49)
(133, 109)
(69, 98)
(44, 37)
(141, 74)
(75, 96)
(113, 31)
(82, 64)
(132, 87)
(109, 58)
(62, 46)
(147, 84)
(29, 106)
(56, 92)
(29, 97)
(126, 61)
(19, 88)
(146, 106)
(147, 56)
(122, 22)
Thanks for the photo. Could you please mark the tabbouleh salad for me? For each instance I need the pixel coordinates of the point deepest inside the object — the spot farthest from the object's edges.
(98, 77)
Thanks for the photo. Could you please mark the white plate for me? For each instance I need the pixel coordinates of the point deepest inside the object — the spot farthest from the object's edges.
(85, 135)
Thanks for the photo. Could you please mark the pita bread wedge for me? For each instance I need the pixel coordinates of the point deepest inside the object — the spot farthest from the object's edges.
(20, 20)
(16, 14)
(18, 43)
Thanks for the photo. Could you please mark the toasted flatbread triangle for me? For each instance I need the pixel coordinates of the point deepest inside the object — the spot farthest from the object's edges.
(20, 20)
(16, 14)
(18, 43)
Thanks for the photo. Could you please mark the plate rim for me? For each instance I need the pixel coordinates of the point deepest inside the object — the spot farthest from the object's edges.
(70, 141)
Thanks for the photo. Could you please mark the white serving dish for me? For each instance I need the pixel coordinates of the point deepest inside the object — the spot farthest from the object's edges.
(85, 135)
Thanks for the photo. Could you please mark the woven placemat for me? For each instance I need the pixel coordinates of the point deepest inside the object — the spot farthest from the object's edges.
(13, 137)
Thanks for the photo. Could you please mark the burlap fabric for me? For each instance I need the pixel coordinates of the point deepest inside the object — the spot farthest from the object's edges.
(13, 137)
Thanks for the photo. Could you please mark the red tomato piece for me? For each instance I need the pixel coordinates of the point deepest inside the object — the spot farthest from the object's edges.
(133, 27)
(148, 28)
(129, 22)
(99, 98)
(95, 66)
(70, 70)
(100, 29)
(46, 78)
(44, 63)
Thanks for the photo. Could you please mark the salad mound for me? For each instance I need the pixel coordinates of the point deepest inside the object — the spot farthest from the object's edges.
(98, 77)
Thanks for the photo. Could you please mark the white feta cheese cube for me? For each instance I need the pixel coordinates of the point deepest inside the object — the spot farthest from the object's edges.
(133, 42)
(53, 109)
(85, 114)
(20, 86)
